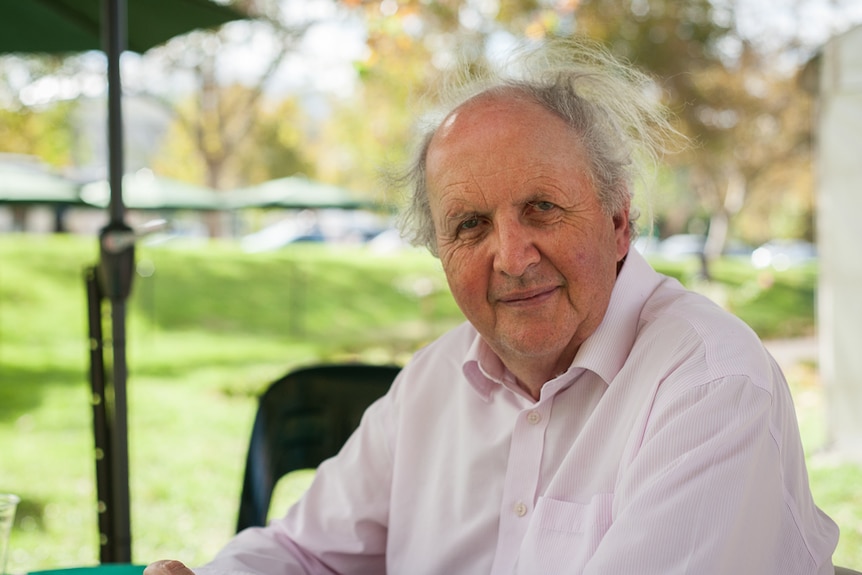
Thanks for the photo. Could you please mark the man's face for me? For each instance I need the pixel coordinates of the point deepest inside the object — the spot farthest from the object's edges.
(529, 254)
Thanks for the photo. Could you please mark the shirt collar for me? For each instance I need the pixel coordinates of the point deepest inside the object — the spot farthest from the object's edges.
(604, 352)
(484, 369)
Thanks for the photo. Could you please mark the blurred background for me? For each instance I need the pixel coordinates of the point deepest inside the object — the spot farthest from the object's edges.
(253, 154)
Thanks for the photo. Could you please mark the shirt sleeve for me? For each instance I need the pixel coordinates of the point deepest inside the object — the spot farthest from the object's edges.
(706, 492)
(340, 523)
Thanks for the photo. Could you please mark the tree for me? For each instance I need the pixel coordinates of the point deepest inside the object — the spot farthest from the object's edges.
(728, 97)
(371, 129)
(44, 132)
(411, 46)
(214, 128)
(740, 110)
(262, 141)
(42, 129)
(746, 117)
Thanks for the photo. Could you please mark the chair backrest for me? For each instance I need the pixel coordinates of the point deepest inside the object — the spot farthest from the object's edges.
(302, 419)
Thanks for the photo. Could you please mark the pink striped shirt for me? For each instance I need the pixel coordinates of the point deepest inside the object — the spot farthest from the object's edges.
(670, 446)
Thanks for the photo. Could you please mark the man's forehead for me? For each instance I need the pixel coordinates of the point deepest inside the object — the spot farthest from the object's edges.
(489, 101)
(500, 112)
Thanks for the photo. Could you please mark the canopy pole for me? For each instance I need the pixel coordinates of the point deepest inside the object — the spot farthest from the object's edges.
(115, 43)
(101, 423)
(115, 272)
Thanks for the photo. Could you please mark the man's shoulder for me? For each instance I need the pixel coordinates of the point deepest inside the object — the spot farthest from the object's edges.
(690, 327)
(435, 370)
(680, 310)
(444, 357)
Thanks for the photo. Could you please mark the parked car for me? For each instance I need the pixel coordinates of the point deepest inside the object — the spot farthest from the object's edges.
(783, 254)
(331, 225)
(681, 246)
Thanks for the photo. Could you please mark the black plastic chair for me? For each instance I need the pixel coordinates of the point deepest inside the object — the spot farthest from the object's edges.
(302, 419)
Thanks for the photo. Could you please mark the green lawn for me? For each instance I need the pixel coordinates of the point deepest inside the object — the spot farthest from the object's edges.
(207, 330)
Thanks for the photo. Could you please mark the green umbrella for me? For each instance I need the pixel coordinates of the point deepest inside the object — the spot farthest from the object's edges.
(33, 183)
(295, 192)
(58, 26)
(143, 190)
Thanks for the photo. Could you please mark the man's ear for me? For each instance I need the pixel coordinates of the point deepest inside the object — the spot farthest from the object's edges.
(622, 229)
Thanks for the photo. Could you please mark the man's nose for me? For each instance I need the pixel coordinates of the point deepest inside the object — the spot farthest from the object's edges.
(515, 250)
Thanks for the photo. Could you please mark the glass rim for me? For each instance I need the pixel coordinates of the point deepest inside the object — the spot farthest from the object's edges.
(9, 498)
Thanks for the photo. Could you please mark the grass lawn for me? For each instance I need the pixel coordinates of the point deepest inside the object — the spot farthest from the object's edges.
(208, 329)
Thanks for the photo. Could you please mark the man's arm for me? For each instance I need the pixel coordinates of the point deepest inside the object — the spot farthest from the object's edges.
(718, 486)
(339, 523)
(167, 567)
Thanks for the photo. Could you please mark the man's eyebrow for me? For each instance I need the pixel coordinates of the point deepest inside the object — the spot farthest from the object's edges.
(457, 216)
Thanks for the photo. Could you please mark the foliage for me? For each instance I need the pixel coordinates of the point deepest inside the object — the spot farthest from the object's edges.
(178, 157)
(363, 137)
(244, 141)
(749, 119)
(40, 98)
(747, 174)
(45, 133)
(226, 124)
(277, 146)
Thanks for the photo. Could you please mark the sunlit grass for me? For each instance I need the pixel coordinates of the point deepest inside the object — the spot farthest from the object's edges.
(207, 330)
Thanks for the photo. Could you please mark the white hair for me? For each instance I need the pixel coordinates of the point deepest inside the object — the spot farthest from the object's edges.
(610, 105)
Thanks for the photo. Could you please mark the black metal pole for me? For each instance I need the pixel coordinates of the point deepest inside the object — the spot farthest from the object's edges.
(121, 542)
(114, 274)
(114, 28)
(101, 425)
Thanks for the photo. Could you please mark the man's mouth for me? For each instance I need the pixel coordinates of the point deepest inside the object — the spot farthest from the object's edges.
(528, 296)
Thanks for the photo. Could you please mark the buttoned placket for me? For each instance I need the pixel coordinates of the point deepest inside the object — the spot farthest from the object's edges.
(521, 482)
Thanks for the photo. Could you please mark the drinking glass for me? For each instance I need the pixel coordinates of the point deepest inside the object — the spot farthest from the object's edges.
(8, 504)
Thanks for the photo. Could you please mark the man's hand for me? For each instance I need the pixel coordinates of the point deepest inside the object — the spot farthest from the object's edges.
(167, 567)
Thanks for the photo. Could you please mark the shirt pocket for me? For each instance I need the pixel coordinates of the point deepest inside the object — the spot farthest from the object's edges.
(564, 535)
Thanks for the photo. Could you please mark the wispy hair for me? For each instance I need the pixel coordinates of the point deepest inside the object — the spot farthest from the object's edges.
(614, 108)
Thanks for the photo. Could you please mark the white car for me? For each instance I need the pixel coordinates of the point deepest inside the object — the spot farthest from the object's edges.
(783, 254)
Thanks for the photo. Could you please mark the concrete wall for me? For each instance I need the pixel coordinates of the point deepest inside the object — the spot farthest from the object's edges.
(839, 223)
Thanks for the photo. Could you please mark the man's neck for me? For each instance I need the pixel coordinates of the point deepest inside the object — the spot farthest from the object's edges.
(532, 376)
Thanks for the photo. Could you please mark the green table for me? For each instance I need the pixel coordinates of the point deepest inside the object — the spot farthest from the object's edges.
(106, 569)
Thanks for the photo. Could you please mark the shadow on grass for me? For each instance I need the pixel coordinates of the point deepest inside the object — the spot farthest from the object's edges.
(22, 389)
(30, 515)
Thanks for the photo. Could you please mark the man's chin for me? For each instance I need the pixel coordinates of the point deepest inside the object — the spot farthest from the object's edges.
(532, 345)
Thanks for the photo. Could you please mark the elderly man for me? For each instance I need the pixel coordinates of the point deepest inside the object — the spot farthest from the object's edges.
(591, 416)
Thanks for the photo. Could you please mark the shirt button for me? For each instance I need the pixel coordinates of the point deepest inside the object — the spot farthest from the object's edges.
(534, 417)
(520, 509)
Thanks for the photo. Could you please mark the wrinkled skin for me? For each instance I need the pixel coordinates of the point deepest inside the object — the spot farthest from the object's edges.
(530, 255)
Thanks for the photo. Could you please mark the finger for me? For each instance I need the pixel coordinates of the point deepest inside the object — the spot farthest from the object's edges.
(167, 567)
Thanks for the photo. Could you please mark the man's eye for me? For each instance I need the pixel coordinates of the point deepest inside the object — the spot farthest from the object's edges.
(543, 206)
(469, 224)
